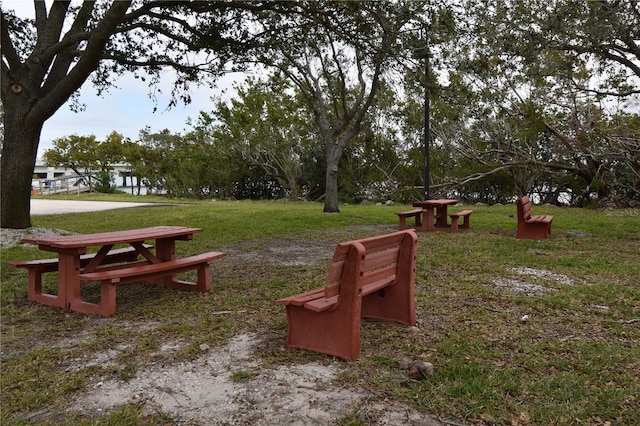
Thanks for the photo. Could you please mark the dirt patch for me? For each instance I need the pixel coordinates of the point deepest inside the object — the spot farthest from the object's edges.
(518, 286)
(11, 237)
(229, 386)
(531, 288)
(287, 253)
(317, 250)
(543, 273)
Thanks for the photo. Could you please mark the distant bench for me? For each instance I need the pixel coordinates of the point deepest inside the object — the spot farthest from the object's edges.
(466, 214)
(111, 277)
(37, 267)
(373, 277)
(531, 227)
(416, 214)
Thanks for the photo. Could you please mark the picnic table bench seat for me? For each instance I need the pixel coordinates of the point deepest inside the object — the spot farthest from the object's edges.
(465, 214)
(531, 227)
(37, 267)
(372, 277)
(403, 216)
(110, 277)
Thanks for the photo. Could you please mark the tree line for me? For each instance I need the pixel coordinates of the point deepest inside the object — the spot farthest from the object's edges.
(259, 145)
(529, 97)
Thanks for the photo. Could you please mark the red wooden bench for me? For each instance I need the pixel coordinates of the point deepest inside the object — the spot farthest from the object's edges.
(373, 277)
(417, 214)
(110, 277)
(36, 268)
(531, 227)
(466, 214)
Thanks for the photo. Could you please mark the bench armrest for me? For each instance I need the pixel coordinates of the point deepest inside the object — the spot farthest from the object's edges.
(322, 304)
(302, 298)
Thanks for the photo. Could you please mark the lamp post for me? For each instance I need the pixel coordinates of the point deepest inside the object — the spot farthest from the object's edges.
(427, 133)
(423, 53)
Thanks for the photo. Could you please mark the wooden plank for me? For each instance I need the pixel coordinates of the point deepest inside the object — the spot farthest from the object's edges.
(110, 267)
(332, 290)
(341, 251)
(323, 304)
(376, 244)
(116, 255)
(145, 252)
(410, 213)
(462, 213)
(335, 271)
(378, 259)
(389, 271)
(540, 219)
(378, 285)
(302, 298)
(147, 271)
(117, 237)
(98, 258)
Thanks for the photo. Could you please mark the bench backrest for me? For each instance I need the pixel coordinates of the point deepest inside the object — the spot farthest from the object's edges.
(390, 256)
(524, 208)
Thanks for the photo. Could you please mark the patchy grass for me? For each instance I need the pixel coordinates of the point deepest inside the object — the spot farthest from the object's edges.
(573, 361)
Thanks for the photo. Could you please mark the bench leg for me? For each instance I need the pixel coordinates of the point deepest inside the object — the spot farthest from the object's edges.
(204, 278)
(334, 333)
(428, 220)
(35, 294)
(467, 221)
(202, 285)
(454, 224)
(533, 231)
(393, 304)
(418, 223)
(403, 223)
(106, 307)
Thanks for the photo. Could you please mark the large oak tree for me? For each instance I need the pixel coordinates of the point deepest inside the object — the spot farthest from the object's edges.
(47, 59)
(338, 55)
(538, 93)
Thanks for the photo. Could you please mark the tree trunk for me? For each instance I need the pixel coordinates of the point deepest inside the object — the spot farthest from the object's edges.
(19, 152)
(331, 181)
(331, 191)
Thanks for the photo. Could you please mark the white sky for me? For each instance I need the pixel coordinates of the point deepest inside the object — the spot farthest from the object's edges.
(126, 109)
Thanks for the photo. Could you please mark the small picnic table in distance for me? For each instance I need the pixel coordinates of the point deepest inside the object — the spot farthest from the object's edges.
(435, 212)
(74, 267)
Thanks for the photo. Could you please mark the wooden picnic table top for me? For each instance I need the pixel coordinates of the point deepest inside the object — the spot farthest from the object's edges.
(435, 203)
(115, 237)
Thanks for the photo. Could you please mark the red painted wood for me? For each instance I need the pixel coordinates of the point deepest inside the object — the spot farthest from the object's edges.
(434, 215)
(117, 237)
(531, 227)
(111, 277)
(71, 265)
(466, 214)
(376, 279)
(37, 267)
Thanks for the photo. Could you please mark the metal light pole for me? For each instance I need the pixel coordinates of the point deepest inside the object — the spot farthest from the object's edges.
(427, 135)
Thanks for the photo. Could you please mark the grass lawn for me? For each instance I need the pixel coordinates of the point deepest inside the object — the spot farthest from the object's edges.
(575, 361)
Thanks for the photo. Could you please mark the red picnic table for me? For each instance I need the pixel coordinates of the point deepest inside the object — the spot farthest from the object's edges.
(432, 219)
(114, 266)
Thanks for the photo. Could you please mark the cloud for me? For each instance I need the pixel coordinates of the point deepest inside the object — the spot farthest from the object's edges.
(126, 108)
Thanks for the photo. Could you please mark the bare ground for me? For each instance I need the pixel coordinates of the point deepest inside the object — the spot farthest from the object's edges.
(204, 392)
